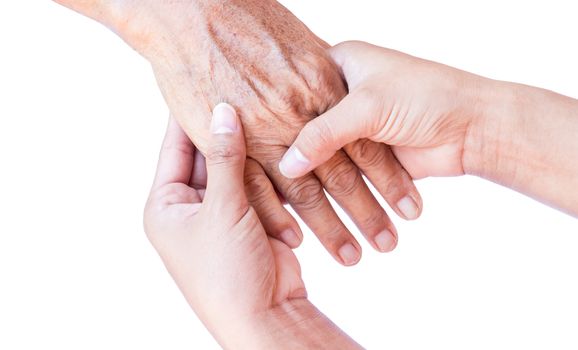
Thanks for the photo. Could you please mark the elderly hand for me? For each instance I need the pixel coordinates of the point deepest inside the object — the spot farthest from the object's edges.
(245, 286)
(277, 74)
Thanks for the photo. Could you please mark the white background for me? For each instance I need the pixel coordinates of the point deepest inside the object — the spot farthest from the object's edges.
(81, 123)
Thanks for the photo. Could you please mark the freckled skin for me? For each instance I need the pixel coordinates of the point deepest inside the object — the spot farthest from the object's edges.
(276, 73)
(255, 55)
(261, 59)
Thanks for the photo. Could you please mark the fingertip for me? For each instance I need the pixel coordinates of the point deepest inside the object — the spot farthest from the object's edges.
(386, 241)
(291, 238)
(294, 163)
(349, 254)
(409, 208)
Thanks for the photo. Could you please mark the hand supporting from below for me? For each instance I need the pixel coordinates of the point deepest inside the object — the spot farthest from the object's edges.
(245, 286)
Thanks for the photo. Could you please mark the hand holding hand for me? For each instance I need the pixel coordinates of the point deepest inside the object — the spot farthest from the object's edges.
(259, 57)
(212, 241)
(245, 286)
(422, 109)
(264, 61)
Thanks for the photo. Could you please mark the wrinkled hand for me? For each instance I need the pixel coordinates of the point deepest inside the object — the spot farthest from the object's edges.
(260, 58)
(212, 241)
(421, 108)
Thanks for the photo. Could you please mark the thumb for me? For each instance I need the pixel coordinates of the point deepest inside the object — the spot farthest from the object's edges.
(225, 158)
(323, 136)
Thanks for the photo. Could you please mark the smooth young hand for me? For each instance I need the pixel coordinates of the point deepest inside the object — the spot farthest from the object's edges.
(421, 108)
(244, 285)
(212, 241)
(440, 121)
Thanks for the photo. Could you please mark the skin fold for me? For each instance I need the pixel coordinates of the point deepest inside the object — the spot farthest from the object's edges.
(258, 57)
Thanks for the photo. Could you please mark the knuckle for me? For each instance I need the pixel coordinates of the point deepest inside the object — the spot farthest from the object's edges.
(223, 154)
(265, 152)
(178, 148)
(272, 217)
(291, 102)
(334, 237)
(305, 194)
(368, 154)
(258, 186)
(343, 179)
(392, 182)
(373, 223)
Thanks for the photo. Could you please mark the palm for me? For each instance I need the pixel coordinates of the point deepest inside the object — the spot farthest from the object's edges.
(266, 270)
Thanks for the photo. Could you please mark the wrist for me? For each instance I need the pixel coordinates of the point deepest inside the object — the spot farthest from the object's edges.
(293, 324)
(154, 27)
(491, 134)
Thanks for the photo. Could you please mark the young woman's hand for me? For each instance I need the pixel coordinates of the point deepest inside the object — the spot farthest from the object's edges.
(440, 121)
(422, 109)
(244, 285)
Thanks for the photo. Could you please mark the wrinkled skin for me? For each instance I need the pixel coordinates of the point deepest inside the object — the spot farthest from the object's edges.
(258, 57)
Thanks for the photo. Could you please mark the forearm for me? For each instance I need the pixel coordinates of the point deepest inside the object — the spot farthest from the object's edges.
(295, 324)
(527, 139)
(152, 27)
(103, 11)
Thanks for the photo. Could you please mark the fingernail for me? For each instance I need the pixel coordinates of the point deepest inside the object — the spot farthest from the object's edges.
(294, 163)
(224, 119)
(348, 254)
(408, 208)
(290, 238)
(385, 241)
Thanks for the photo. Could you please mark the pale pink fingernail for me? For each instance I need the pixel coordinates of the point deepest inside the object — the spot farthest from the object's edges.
(224, 119)
(408, 208)
(349, 254)
(385, 241)
(290, 238)
(294, 163)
